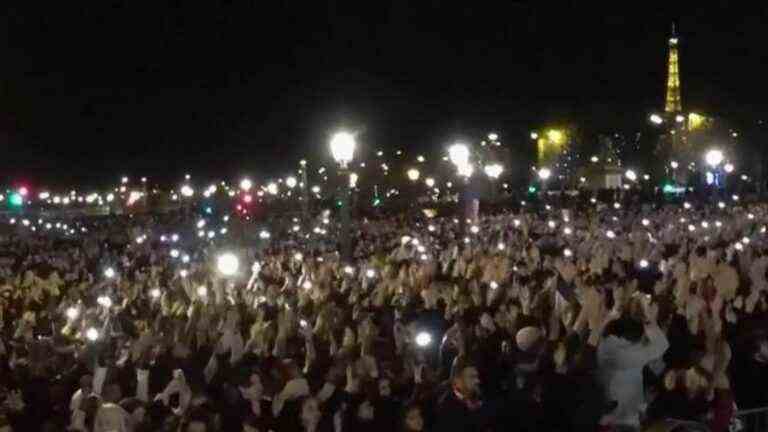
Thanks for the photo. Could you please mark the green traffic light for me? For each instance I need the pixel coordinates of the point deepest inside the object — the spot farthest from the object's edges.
(16, 200)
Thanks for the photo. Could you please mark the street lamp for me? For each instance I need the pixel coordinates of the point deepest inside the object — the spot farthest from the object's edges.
(291, 182)
(343, 151)
(459, 154)
(631, 175)
(656, 119)
(493, 171)
(246, 184)
(728, 168)
(714, 158)
(413, 174)
(430, 182)
(343, 148)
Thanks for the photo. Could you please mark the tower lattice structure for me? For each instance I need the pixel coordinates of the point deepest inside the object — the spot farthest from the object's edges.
(673, 103)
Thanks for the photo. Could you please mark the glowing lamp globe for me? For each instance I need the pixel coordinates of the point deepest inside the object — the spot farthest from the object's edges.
(458, 154)
(545, 173)
(714, 157)
(187, 191)
(227, 264)
(343, 147)
(291, 182)
(246, 184)
(631, 175)
(413, 174)
(494, 170)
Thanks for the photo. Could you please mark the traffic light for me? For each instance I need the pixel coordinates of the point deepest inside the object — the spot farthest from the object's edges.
(15, 200)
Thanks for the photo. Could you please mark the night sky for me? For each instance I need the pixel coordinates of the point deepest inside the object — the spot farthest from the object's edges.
(95, 89)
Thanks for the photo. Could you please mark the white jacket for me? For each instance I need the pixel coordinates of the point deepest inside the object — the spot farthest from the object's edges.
(620, 370)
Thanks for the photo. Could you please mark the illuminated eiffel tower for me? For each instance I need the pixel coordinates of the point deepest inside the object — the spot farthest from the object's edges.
(673, 104)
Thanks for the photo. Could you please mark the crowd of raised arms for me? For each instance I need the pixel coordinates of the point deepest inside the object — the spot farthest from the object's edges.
(550, 320)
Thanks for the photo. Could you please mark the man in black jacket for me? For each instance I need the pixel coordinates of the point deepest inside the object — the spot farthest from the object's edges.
(461, 407)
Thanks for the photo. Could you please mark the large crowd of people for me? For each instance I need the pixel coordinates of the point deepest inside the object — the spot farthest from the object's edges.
(580, 319)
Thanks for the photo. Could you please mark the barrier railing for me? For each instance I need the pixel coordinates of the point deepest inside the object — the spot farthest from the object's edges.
(751, 420)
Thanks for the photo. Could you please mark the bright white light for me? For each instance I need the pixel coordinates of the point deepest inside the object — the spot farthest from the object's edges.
(186, 191)
(738, 246)
(72, 313)
(735, 197)
(516, 222)
(691, 228)
(370, 273)
(458, 154)
(551, 224)
(104, 301)
(174, 253)
(246, 184)
(202, 291)
(175, 238)
(343, 147)
(656, 119)
(349, 270)
(298, 256)
(645, 222)
(109, 272)
(413, 174)
(728, 167)
(687, 205)
(674, 164)
(183, 273)
(643, 263)
(568, 253)
(616, 205)
(714, 157)
(501, 246)
(272, 188)
(494, 170)
(264, 235)
(750, 216)
(466, 170)
(545, 173)
(494, 285)
(534, 135)
(610, 234)
(307, 285)
(679, 118)
(44, 195)
(745, 240)
(704, 224)
(227, 264)
(631, 175)
(567, 231)
(718, 224)
(423, 339)
(155, 293)
(92, 334)
(474, 229)
(201, 223)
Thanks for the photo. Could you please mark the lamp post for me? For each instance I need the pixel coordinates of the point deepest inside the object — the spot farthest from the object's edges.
(674, 166)
(544, 175)
(493, 171)
(714, 158)
(343, 151)
(459, 156)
